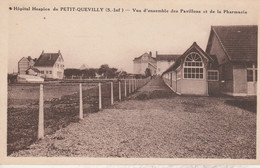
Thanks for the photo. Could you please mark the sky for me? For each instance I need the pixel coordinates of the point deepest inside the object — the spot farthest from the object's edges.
(114, 38)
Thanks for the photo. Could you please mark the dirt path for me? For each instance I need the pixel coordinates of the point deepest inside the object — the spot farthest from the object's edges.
(155, 122)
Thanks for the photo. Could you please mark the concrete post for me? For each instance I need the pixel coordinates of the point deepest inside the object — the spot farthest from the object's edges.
(80, 102)
(129, 86)
(112, 94)
(41, 115)
(99, 96)
(125, 89)
(119, 89)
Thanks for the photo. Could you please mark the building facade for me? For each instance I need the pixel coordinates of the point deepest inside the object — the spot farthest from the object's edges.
(25, 63)
(164, 61)
(229, 65)
(191, 72)
(235, 48)
(50, 65)
(143, 62)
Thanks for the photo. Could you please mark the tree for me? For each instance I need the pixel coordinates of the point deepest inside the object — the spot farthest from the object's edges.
(72, 71)
(107, 72)
(148, 72)
(89, 73)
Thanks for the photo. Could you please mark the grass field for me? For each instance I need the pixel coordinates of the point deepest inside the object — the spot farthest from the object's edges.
(61, 103)
(61, 107)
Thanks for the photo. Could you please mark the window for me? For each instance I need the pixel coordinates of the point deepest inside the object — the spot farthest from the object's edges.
(212, 75)
(47, 72)
(42, 72)
(193, 67)
(251, 72)
(50, 72)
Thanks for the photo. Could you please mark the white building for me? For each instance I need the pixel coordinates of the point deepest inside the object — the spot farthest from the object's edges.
(50, 65)
(143, 62)
(164, 61)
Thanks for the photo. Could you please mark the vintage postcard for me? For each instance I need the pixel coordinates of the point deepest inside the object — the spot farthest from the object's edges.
(129, 82)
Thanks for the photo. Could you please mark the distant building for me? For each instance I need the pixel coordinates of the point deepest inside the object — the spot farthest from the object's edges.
(24, 64)
(50, 65)
(164, 61)
(33, 71)
(143, 62)
(84, 66)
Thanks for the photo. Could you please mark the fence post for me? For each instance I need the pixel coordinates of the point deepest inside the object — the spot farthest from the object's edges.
(133, 89)
(99, 96)
(119, 89)
(129, 88)
(112, 93)
(41, 115)
(135, 85)
(125, 89)
(80, 102)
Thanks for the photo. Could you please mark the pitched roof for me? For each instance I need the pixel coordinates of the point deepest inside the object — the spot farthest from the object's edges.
(34, 69)
(47, 59)
(145, 54)
(179, 60)
(238, 42)
(165, 57)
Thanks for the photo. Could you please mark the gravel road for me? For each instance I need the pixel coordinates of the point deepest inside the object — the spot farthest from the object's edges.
(155, 122)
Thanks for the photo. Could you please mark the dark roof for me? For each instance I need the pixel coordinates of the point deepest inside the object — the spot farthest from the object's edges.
(167, 57)
(179, 60)
(145, 54)
(34, 69)
(47, 59)
(238, 42)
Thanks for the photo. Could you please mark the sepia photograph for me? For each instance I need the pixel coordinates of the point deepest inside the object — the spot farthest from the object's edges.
(137, 80)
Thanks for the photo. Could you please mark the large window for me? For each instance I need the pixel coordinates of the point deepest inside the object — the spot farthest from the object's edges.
(193, 67)
(213, 75)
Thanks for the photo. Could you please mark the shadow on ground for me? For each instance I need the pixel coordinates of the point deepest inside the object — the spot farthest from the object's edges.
(248, 104)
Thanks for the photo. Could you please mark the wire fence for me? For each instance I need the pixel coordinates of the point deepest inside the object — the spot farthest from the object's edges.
(36, 110)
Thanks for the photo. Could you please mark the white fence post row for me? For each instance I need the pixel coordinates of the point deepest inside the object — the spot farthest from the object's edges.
(99, 96)
(41, 115)
(112, 94)
(125, 89)
(119, 89)
(80, 102)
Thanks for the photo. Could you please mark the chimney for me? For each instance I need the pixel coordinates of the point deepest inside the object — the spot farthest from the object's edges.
(59, 52)
(150, 53)
(156, 53)
(42, 51)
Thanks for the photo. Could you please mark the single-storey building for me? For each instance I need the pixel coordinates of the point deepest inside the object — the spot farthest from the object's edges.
(191, 73)
(50, 65)
(235, 48)
(229, 65)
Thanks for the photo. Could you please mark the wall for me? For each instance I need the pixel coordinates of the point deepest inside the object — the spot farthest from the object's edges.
(194, 87)
(23, 65)
(137, 68)
(163, 66)
(45, 75)
(216, 49)
(240, 79)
